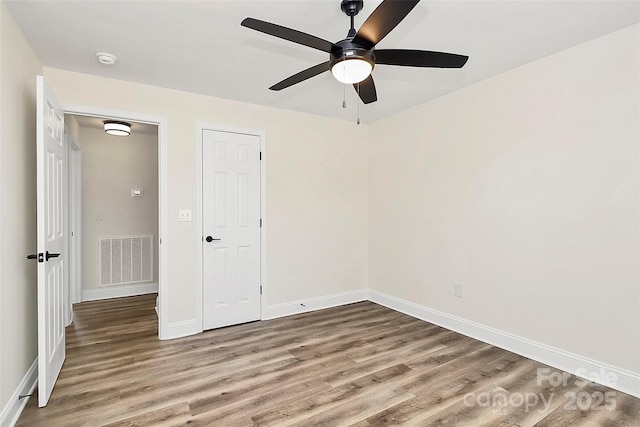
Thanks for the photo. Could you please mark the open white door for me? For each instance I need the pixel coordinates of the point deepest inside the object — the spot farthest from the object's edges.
(51, 164)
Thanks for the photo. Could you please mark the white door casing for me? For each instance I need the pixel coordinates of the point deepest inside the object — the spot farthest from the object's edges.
(75, 220)
(51, 201)
(230, 216)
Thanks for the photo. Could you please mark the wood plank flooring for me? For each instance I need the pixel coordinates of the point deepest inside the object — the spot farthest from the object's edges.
(356, 365)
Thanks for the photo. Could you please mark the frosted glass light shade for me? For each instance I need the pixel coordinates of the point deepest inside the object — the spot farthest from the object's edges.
(351, 71)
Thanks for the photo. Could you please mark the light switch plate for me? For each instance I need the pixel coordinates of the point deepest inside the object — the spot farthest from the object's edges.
(184, 215)
(458, 289)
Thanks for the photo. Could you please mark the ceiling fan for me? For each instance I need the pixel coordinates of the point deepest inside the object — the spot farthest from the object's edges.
(352, 59)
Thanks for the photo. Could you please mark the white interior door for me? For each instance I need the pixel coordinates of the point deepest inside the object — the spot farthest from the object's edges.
(51, 172)
(231, 228)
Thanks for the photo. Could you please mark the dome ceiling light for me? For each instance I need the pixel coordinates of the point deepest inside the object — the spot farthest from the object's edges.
(116, 128)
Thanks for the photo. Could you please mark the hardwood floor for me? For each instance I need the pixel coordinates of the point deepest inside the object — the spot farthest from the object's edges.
(355, 365)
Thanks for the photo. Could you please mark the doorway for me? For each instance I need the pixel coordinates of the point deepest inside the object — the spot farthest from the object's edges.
(113, 276)
(119, 209)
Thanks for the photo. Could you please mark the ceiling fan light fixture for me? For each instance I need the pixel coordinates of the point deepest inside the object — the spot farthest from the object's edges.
(117, 128)
(351, 70)
(352, 59)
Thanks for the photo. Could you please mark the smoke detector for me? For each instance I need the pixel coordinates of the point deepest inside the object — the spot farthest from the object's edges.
(106, 59)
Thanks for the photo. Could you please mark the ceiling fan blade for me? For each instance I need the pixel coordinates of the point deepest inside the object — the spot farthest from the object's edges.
(420, 58)
(288, 34)
(382, 20)
(366, 90)
(302, 76)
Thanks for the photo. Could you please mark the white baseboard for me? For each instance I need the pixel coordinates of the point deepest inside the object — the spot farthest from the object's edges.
(193, 326)
(312, 304)
(182, 329)
(11, 412)
(119, 291)
(610, 376)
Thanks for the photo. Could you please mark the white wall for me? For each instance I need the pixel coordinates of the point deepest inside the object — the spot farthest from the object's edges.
(111, 167)
(316, 187)
(18, 320)
(525, 188)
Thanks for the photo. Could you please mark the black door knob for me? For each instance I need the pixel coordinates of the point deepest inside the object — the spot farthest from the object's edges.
(50, 255)
(210, 239)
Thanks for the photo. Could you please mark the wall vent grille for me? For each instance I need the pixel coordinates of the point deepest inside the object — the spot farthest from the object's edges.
(125, 260)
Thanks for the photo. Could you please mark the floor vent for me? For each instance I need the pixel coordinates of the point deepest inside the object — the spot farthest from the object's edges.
(125, 260)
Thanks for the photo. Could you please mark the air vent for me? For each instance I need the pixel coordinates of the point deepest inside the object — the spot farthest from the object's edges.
(125, 260)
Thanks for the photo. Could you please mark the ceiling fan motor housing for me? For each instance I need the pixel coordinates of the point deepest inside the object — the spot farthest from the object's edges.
(345, 50)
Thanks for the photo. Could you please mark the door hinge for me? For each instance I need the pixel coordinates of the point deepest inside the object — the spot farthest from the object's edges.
(260, 222)
(261, 155)
(260, 289)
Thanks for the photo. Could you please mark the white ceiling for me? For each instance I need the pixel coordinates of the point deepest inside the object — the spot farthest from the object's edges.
(200, 47)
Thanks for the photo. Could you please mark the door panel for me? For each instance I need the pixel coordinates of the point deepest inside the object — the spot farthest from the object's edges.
(231, 215)
(51, 211)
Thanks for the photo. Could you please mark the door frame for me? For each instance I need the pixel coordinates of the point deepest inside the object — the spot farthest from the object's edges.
(200, 128)
(163, 210)
(74, 164)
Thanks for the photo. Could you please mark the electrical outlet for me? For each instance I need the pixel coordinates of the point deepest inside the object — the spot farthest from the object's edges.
(458, 289)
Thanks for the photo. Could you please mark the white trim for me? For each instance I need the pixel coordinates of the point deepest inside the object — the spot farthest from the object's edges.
(11, 412)
(68, 200)
(75, 198)
(183, 329)
(119, 291)
(625, 381)
(263, 229)
(313, 304)
(163, 208)
(163, 240)
(200, 127)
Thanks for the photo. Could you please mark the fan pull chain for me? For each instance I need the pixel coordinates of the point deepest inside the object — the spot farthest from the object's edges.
(344, 96)
(358, 102)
